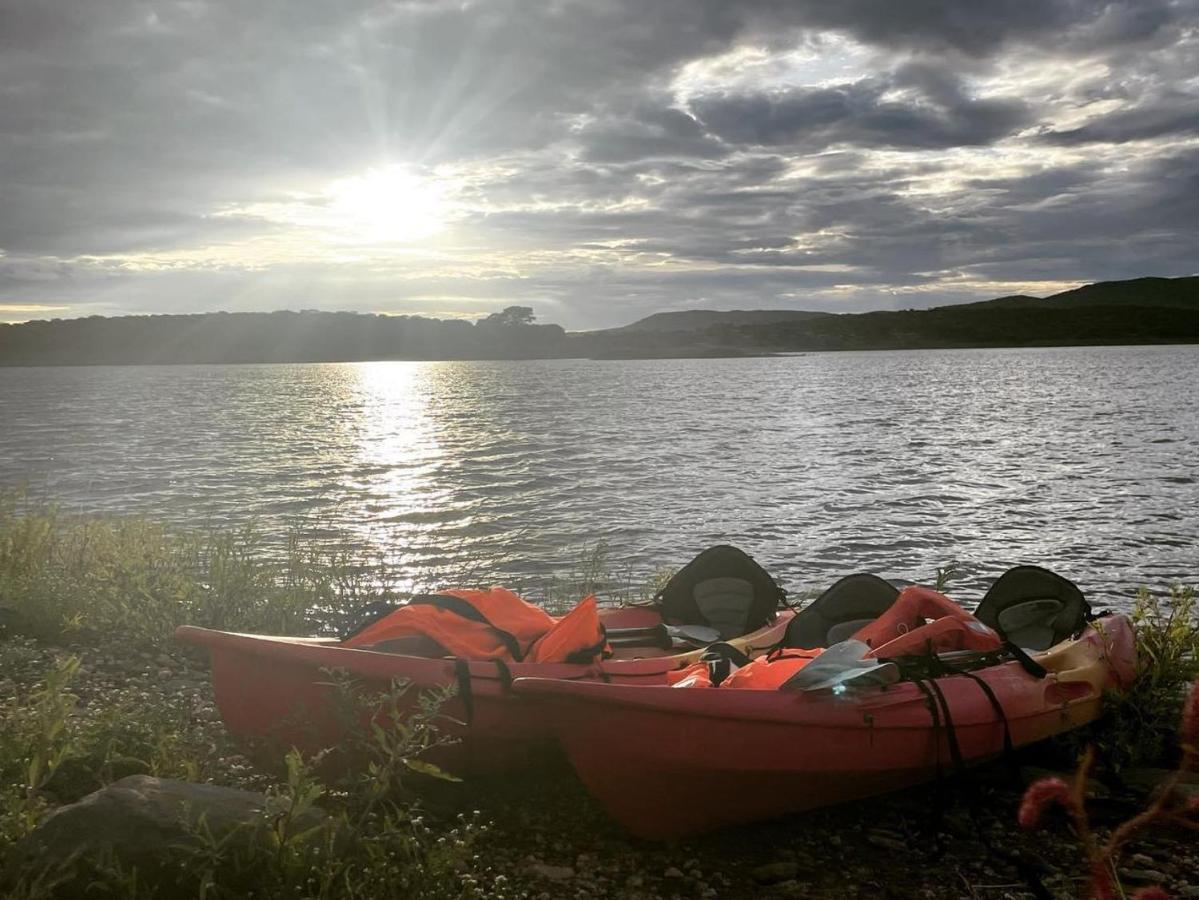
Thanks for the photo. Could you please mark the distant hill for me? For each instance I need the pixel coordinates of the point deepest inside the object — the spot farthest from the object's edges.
(309, 336)
(699, 319)
(1140, 311)
(1165, 293)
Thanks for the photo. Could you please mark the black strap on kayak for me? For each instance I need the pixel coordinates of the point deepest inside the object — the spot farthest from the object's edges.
(939, 707)
(993, 699)
(584, 655)
(1027, 663)
(937, 810)
(465, 693)
(505, 674)
(460, 607)
(722, 660)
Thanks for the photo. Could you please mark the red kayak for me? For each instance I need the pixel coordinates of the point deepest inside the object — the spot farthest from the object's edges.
(277, 688)
(667, 762)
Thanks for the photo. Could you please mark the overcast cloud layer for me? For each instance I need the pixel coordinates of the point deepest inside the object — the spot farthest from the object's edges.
(597, 160)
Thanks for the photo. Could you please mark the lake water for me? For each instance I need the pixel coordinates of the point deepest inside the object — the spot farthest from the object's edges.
(1079, 459)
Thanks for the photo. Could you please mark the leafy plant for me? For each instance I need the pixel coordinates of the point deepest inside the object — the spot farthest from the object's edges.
(1166, 806)
(33, 746)
(1138, 728)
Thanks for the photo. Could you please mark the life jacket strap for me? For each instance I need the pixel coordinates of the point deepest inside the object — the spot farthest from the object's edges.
(584, 655)
(465, 693)
(460, 607)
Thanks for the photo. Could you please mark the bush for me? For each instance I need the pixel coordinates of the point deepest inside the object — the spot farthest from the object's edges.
(136, 580)
(361, 834)
(1140, 725)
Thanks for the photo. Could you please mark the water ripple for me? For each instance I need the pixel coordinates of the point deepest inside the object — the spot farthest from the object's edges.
(1079, 459)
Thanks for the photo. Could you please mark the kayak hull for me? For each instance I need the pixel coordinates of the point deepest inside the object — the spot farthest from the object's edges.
(669, 762)
(275, 693)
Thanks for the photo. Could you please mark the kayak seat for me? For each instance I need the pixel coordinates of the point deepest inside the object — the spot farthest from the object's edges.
(849, 605)
(722, 588)
(725, 604)
(1034, 608)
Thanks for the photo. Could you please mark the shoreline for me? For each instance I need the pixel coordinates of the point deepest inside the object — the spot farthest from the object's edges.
(547, 840)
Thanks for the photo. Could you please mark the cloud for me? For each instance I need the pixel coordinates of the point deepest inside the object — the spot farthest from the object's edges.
(916, 107)
(1173, 116)
(604, 158)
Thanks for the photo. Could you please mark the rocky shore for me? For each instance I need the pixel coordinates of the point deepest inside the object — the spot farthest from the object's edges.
(547, 839)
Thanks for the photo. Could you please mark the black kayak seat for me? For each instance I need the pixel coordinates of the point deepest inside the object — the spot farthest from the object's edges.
(722, 588)
(836, 615)
(725, 603)
(1033, 607)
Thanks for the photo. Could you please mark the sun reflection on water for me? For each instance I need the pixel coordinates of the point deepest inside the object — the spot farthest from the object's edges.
(397, 451)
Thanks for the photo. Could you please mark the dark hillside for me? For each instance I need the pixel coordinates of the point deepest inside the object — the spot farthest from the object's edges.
(1141, 311)
(699, 319)
(1178, 293)
(268, 337)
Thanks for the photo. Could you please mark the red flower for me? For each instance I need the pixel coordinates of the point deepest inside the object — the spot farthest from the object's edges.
(1101, 882)
(1151, 893)
(1190, 717)
(1039, 796)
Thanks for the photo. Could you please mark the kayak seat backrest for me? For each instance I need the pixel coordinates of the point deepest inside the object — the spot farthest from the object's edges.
(850, 604)
(722, 588)
(725, 604)
(1034, 608)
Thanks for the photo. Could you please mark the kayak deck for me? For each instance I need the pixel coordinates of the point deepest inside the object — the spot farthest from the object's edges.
(667, 762)
(277, 691)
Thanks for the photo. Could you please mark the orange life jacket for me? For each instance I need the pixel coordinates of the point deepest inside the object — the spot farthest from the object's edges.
(492, 624)
(922, 618)
(766, 673)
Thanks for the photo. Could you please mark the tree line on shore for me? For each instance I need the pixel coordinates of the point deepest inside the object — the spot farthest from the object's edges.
(1142, 311)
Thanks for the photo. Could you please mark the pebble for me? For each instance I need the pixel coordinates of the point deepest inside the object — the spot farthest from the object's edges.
(886, 842)
(553, 873)
(1144, 876)
(791, 888)
(672, 872)
(775, 872)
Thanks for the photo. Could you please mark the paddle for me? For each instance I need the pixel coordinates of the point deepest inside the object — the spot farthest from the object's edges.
(665, 636)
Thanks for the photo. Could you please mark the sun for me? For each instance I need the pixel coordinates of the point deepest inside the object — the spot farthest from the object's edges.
(390, 204)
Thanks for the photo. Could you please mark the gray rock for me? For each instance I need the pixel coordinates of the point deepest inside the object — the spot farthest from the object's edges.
(139, 821)
(1149, 779)
(773, 873)
(1144, 876)
(785, 890)
(885, 841)
(553, 873)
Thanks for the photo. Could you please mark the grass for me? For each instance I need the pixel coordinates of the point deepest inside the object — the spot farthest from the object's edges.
(1140, 727)
(87, 579)
(65, 577)
(359, 835)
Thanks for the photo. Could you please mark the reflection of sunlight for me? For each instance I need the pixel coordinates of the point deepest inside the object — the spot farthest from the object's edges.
(397, 444)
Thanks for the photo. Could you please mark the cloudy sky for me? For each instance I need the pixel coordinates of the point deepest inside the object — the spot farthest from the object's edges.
(598, 160)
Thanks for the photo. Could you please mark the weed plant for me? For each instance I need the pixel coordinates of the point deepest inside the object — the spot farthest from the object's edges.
(1139, 727)
(134, 581)
(358, 834)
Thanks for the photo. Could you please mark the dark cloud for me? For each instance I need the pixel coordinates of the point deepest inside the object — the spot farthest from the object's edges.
(133, 127)
(984, 28)
(1176, 115)
(937, 114)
